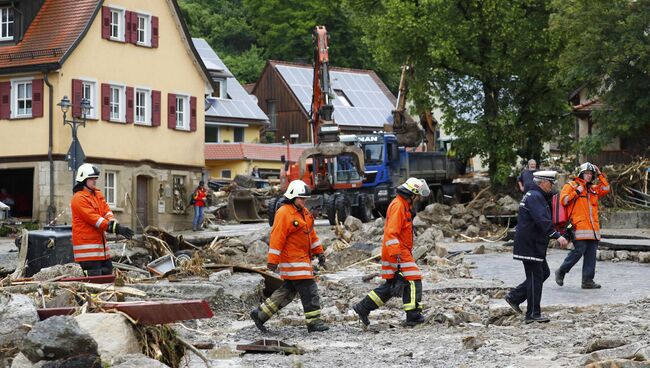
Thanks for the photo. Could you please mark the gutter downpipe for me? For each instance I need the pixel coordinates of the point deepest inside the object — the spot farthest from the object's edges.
(51, 209)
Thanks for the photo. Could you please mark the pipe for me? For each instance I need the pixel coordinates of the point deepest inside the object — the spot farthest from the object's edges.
(51, 209)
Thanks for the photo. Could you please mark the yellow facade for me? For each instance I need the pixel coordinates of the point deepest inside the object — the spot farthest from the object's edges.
(251, 134)
(133, 151)
(243, 167)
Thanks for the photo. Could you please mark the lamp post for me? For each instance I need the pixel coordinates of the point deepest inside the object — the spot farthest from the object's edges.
(75, 147)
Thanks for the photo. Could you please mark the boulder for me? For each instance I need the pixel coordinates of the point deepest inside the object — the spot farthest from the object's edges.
(458, 210)
(604, 343)
(21, 361)
(643, 257)
(56, 338)
(618, 363)
(605, 255)
(16, 313)
(472, 231)
(137, 361)
(257, 252)
(244, 289)
(622, 352)
(420, 224)
(68, 270)
(441, 250)
(379, 222)
(220, 275)
(479, 249)
(353, 224)
(623, 255)
(508, 205)
(473, 342)
(77, 361)
(113, 333)
(118, 250)
(458, 223)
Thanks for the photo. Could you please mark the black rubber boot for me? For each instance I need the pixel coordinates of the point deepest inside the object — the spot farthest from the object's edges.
(317, 326)
(414, 318)
(539, 319)
(559, 277)
(513, 305)
(362, 313)
(590, 284)
(255, 316)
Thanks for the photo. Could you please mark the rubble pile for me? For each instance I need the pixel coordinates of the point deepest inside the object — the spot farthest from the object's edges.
(628, 185)
(465, 220)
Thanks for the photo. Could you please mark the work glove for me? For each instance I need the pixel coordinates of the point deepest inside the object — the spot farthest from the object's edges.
(321, 260)
(115, 228)
(272, 267)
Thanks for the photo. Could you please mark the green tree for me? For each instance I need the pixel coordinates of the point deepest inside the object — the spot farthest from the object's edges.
(605, 47)
(486, 63)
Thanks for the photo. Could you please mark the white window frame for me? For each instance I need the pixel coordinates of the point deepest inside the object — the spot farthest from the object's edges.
(14, 98)
(118, 15)
(110, 190)
(218, 128)
(222, 87)
(146, 31)
(121, 104)
(93, 99)
(147, 105)
(5, 11)
(183, 113)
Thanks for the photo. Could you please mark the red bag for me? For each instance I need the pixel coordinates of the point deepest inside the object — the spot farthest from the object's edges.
(559, 212)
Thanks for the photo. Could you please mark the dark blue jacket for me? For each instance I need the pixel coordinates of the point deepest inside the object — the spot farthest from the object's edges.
(526, 177)
(534, 226)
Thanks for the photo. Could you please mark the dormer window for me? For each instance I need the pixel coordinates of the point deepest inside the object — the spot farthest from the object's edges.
(220, 90)
(6, 23)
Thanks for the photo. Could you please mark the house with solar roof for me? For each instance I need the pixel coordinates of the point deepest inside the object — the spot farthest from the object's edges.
(362, 104)
(134, 67)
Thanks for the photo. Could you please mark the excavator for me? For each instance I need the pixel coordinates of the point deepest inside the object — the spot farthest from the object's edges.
(330, 167)
(409, 133)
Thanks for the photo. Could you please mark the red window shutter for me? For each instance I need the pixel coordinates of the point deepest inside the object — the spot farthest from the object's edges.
(171, 111)
(129, 104)
(77, 96)
(193, 114)
(106, 23)
(128, 35)
(5, 100)
(37, 98)
(134, 28)
(154, 31)
(106, 101)
(155, 104)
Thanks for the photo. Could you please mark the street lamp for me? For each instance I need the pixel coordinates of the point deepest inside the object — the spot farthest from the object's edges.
(75, 154)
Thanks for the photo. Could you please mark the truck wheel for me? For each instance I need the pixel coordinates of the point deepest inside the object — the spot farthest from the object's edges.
(337, 204)
(183, 256)
(364, 210)
(271, 208)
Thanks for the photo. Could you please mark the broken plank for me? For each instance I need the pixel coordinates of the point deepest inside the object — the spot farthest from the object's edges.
(146, 312)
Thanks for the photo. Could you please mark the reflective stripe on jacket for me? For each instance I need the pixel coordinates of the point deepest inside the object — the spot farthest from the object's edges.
(583, 208)
(398, 241)
(293, 243)
(90, 217)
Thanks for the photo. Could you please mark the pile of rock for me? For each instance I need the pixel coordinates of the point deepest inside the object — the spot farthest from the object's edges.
(623, 255)
(454, 220)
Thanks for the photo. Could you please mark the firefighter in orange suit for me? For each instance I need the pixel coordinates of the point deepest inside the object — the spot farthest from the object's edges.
(398, 268)
(581, 196)
(292, 245)
(91, 217)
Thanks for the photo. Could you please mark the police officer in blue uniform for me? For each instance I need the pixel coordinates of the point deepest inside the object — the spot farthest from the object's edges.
(534, 229)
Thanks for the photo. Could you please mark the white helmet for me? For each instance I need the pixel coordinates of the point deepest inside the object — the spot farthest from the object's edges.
(587, 166)
(416, 186)
(297, 188)
(86, 171)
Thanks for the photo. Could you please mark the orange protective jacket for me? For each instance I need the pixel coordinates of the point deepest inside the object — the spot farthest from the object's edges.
(398, 241)
(293, 243)
(583, 208)
(90, 217)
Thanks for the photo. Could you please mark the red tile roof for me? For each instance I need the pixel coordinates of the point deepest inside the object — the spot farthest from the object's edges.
(250, 151)
(54, 30)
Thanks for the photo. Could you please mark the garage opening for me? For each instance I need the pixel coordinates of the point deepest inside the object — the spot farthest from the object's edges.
(17, 191)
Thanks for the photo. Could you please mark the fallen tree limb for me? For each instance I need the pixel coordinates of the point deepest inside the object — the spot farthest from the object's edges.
(195, 351)
(363, 261)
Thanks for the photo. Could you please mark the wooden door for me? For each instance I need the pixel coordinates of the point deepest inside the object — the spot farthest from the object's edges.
(142, 202)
